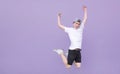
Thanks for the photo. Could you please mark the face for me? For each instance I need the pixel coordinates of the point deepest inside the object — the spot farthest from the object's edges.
(76, 25)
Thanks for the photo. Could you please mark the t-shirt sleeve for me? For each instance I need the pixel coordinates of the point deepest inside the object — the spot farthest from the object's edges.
(67, 29)
(82, 25)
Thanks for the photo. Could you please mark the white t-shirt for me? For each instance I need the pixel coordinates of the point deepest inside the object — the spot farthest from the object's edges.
(75, 36)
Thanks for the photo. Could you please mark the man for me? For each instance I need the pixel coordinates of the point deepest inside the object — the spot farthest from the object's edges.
(75, 36)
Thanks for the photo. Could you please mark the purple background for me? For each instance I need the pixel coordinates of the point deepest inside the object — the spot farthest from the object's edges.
(29, 33)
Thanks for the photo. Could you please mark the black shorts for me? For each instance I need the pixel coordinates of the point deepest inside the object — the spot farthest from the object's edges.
(74, 55)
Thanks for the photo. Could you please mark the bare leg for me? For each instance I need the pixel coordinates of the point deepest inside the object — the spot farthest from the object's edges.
(78, 65)
(64, 59)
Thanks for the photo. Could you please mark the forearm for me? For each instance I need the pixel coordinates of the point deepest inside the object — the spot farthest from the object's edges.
(85, 14)
(59, 22)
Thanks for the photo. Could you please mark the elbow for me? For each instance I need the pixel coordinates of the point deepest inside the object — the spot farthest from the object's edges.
(59, 24)
(85, 19)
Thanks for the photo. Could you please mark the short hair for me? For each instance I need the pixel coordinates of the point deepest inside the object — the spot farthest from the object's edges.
(77, 20)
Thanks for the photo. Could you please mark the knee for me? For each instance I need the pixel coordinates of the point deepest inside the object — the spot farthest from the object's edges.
(68, 66)
(78, 65)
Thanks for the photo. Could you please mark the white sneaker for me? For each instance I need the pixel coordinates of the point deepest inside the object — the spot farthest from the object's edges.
(58, 51)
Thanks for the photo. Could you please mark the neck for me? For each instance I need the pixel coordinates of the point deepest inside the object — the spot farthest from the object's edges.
(76, 27)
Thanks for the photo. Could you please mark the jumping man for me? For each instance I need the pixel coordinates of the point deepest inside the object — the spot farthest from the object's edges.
(75, 36)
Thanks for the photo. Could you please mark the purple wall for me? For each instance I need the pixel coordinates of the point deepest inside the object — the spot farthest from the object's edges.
(29, 32)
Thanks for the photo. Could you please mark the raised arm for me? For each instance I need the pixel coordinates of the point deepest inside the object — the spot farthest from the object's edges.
(85, 14)
(59, 22)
